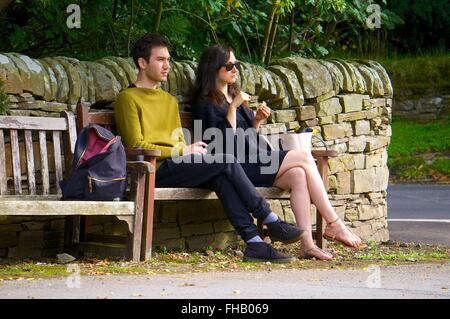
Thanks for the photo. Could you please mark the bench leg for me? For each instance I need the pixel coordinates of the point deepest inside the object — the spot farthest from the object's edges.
(149, 206)
(71, 234)
(322, 166)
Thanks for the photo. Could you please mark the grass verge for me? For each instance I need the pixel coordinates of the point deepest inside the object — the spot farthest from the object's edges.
(227, 261)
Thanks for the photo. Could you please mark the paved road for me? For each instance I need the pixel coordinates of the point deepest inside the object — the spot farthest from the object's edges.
(406, 281)
(419, 213)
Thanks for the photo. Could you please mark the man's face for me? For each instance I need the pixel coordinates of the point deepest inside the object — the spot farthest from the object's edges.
(158, 66)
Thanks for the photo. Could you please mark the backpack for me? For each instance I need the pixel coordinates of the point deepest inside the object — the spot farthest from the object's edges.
(98, 168)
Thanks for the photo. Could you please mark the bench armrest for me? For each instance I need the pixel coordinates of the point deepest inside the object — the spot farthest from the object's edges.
(142, 151)
(142, 167)
(318, 153)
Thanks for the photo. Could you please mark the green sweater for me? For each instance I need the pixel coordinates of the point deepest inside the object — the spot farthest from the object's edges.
(149, 118)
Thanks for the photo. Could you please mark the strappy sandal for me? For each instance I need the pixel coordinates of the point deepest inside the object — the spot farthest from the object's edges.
(333, 237)
(307, 254)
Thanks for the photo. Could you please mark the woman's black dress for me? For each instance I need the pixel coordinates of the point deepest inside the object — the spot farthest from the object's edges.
(260, 163)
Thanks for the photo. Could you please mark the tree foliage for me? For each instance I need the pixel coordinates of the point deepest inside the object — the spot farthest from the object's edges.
(259, 31)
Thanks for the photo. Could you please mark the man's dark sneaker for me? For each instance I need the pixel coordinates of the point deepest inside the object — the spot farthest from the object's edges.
(263, 252)
(284, 232)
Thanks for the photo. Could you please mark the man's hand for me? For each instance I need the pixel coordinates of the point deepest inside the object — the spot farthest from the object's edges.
(198, 148)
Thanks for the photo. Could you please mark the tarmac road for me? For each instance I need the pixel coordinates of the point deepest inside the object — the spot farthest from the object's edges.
(405, 281)
(419, 213)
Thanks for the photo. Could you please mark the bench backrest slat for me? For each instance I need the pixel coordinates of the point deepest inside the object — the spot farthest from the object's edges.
(30, 162)
(107, 120)
(44, 163)
(33, 123)
(32, 151)
(3, 185)
(14, 136)
(58, 159)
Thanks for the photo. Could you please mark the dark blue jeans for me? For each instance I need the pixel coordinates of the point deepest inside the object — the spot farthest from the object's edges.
(227, 178)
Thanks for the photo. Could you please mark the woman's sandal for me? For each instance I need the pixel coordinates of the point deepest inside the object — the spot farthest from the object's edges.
(333, 237)
(308, 255)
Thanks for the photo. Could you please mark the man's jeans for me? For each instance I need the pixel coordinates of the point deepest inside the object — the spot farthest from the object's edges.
(227, 178)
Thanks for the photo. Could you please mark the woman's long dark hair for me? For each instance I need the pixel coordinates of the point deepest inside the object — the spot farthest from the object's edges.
(205, 84)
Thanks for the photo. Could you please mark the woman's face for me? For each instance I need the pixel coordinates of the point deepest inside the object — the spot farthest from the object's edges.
(230, 76)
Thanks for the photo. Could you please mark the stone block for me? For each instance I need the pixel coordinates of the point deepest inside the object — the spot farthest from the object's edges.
(370, 180)
(161, 234)
(222, 226)
(340, 148)
(352, 102)
(289, 216)
(170, 244)
(328, 107)
(276, 207)
(196, 229)
(361, 127)
(327, 120)
(57, 224)
(284, 116)
(374, 160)
(10, 228)
(8, 239)
(334, 131)
(310, 123)
(357, 144)
(323, 97)
(332, 183)
(343, 183)
(225, 240)
(200, 242)
(370, 103)
(377, 142)
(306, 112)
(335, 165)
(36, 225)
(351, 214)
(348, 117)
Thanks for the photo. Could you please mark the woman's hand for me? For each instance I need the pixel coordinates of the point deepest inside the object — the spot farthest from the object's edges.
(198, 148)
(241, 98)
(262, 113)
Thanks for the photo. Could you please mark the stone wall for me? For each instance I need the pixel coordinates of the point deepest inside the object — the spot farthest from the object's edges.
(422, 108)
(350, 103)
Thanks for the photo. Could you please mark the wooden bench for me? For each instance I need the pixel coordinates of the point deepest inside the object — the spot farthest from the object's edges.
(31, 145)
(106, 118)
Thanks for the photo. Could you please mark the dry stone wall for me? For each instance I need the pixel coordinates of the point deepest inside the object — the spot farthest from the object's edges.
(350, 103)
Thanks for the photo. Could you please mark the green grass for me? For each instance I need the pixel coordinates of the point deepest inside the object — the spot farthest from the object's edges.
(184, 263)
(410, 140)
(4, 100)
(419, 75)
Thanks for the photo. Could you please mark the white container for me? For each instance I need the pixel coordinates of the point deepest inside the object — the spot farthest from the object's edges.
(296, 141)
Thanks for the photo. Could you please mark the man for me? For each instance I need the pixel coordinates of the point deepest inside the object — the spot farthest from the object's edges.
(147, 117)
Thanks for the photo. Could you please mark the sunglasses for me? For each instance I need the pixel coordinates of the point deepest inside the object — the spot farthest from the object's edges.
(229, 66)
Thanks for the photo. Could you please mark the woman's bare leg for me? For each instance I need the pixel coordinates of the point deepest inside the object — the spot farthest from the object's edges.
(295, 180)
(318, 194)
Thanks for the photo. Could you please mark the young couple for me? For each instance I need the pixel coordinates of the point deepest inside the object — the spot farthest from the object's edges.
(148, 117)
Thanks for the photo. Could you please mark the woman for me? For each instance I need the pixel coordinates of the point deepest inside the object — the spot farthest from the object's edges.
(219, 103)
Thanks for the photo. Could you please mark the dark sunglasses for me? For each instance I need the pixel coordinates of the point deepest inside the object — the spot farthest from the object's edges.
(229, 66)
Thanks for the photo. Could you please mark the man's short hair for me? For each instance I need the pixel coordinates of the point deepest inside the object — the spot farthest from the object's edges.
(143, 46)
